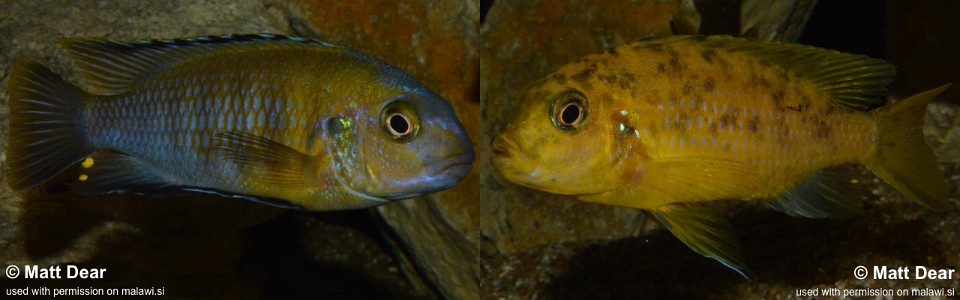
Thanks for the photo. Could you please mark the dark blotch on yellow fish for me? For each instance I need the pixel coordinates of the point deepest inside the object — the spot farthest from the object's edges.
(282, 120)
(731, 118)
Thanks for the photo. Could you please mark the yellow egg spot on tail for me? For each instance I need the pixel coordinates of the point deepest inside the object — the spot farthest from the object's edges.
(87, 162)
(83, 177)
(854, 181)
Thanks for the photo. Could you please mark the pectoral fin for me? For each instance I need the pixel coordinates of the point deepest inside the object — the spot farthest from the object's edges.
(705, 231)
(683, 179)
(695, 178)
(263, 159)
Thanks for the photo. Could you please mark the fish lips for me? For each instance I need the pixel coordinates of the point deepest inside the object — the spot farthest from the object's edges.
(457, 166)
(506, 154)
(448, 172)
(439, 176)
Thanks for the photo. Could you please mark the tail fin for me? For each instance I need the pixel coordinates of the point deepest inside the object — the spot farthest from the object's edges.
(46, 134)
(902, 158)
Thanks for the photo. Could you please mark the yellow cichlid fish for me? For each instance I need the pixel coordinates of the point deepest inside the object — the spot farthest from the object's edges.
(281, 120)
(667, 124)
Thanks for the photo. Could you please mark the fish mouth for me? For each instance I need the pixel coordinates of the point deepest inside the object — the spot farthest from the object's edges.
(457, 165)
(505, 158)
(503, 154)
(444, 175)
(441, 175)
(502, 147)
(507, 155)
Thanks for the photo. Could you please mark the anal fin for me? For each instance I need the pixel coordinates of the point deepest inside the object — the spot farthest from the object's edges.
(830, 193)
(705, 231)
(107, 172)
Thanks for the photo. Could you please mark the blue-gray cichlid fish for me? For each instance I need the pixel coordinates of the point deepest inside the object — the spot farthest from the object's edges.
(270, 118)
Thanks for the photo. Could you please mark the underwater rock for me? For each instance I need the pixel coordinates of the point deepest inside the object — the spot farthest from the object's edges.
(774, 20)
(922, 40)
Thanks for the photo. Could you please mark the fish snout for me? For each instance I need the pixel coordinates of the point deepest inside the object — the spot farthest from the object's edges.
(456, 160)
(513, 164)
(507, 157)
(502, 147)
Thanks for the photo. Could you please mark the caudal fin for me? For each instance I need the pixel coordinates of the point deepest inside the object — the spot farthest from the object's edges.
(46, 135)
(902, 158)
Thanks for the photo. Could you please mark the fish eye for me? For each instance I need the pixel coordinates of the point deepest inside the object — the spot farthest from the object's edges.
(569, 111)
(399, 121)
(569, 114)
(399, 125)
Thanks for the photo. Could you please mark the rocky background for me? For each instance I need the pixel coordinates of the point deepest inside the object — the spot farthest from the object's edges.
(199, 246)
(542, 246)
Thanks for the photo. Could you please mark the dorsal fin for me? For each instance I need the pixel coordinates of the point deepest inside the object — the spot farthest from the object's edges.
(111, 67)
(854, 81)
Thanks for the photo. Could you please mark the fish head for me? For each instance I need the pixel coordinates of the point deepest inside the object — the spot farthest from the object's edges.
(562, 140)
(408, 144)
